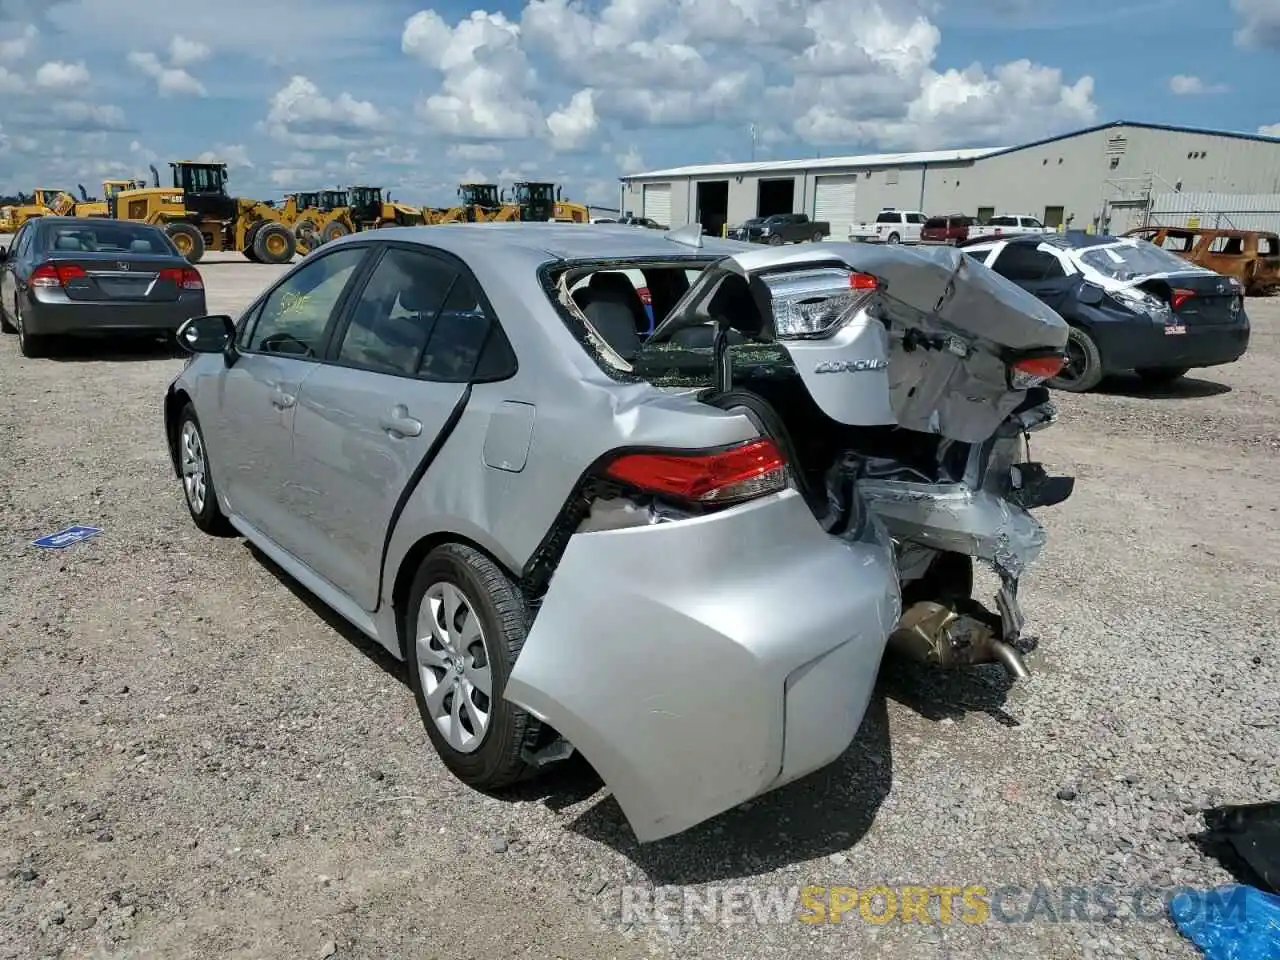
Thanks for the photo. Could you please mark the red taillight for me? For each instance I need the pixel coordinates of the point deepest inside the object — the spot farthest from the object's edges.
(748, 470)
(1180, 297)
(55, 274)
(185, 278)
(1031, 371)
(863, 281)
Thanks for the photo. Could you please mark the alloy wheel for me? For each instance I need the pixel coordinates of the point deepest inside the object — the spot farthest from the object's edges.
(453, 664)
(194, 482)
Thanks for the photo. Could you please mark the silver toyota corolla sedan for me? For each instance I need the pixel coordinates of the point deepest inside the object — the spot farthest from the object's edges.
(658, 548)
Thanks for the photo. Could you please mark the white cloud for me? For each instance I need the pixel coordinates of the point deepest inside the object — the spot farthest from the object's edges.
(1270, 130)
(301, 115)
(232, 154)
(57, 75)
(170, 81)
(184, 52)
(629, 162)
(574, 124)
(1184, 85)
(473, 152)
(17, 47)
(10, 82)
(486, 80)
(1260, 23)
(78, 115)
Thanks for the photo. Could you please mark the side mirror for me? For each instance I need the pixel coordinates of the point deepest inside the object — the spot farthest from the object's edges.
(210, 334)
(1090, 293)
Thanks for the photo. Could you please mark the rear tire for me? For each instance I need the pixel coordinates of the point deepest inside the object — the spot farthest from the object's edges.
(197, 481)
(1084, 364)
(6, 325)
(188, 240)
(274, 244)
(1161, 376)
(894, 238)
(333, 230)
(817, 236)
(775, 241)
(30, 346)
(487, 630)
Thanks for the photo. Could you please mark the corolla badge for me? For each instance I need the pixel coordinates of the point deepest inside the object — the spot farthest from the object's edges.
(850, 366)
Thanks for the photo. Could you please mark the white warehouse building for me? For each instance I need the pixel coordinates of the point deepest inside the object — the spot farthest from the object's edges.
(1108, 178)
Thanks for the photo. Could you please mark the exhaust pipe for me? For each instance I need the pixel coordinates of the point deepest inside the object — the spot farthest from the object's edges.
(938, 634)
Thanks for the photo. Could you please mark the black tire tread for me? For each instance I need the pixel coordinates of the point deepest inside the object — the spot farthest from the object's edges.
(1093, 355)
(212, 521)
(512, 614)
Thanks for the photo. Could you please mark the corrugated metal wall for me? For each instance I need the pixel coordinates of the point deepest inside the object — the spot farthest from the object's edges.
(1239, 211)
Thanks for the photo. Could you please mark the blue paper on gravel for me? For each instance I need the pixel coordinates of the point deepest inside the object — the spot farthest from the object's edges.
(66, 537)
(1232, 922)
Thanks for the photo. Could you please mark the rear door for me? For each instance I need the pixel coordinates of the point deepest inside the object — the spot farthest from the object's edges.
(368, 420)
(1036, 270)
(247, 414)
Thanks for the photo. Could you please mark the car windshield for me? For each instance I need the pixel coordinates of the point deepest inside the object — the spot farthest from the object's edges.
(1132, 258)
(109, 238)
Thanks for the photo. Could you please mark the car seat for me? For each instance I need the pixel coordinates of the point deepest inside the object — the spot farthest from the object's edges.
(67, 242)
(614, 308)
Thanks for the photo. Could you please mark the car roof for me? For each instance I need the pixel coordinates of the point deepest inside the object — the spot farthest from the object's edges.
(537, 243)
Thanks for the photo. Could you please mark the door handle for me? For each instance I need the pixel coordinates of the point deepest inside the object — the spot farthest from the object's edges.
(398, 423)
(281, 400)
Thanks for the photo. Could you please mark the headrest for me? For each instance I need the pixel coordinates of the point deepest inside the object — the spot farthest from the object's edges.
(139, 246)
(613, 282)
(66, 242)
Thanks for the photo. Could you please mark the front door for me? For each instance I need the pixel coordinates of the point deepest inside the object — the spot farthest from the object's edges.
(368, 419)
(255, 399)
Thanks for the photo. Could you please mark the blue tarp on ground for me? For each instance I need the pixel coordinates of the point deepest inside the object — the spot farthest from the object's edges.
(1232, 922)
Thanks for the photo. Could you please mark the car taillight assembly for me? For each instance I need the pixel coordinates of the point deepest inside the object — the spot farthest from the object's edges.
(184, 278)
(742, 472)
(814, 303)
(1033, 371)
(1180, 297)
(55, 275)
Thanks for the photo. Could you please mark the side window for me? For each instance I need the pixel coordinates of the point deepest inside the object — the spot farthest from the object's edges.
(1033, 223)
(1023, 264)
(396, 312)
(295, 314)
(887, 218)
(458, 336)
(1268, 245)
(915, 218)
(23, 245)
(1230, 246)
(979, 255)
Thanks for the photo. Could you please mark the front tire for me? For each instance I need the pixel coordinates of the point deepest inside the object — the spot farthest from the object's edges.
(274, 244)
(465, 623)
(1083, 369)
(197, 481)
(333, 230)
(1161, 376)
(894, 238)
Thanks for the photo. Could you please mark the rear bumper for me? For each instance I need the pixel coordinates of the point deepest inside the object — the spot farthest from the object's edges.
(50, 313)
(1132, 345)
(701, 663)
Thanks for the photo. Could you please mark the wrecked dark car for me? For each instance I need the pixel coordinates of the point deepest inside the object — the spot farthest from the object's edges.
(1131, 305)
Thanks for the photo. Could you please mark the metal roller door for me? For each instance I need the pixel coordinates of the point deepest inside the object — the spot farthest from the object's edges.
(657, 202)
(834, 200)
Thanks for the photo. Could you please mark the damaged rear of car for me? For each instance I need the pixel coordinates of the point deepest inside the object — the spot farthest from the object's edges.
(727, 608)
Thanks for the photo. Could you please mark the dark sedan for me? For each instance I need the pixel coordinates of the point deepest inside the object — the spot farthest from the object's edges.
(66, 276)
(1131, 305)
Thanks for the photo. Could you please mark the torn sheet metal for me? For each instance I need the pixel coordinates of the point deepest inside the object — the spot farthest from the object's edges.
(955, 517)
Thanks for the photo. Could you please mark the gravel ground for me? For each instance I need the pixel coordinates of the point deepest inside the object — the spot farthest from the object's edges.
(199, 761)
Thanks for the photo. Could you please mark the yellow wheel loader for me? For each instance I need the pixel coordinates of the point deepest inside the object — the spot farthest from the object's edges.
(481, 203)
(89, 206)
(328, 219)
(44, 202)
(198, 215)
(369, 211)
(539, 201)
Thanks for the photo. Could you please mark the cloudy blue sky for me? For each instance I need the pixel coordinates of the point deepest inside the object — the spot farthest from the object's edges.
(309, 93)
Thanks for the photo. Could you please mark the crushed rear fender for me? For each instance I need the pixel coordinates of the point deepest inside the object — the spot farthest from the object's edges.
(699, 663)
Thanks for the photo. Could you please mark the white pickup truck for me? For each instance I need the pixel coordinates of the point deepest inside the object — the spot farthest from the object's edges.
(890, 226)
(1008, 225)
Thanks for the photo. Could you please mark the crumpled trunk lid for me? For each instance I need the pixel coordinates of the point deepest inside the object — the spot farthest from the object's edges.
(929, 352)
